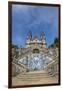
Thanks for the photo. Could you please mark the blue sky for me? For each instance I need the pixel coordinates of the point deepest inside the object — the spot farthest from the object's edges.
(36, 19)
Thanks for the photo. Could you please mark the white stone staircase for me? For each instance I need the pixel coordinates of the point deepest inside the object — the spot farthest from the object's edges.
(33, 78)
(33, 75)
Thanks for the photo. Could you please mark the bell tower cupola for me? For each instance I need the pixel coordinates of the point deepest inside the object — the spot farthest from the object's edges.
(28, 39)
(43, 40)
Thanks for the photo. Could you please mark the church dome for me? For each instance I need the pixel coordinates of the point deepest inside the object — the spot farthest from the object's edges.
(35, 38)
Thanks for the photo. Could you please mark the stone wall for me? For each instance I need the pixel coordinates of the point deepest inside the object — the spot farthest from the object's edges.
(17, 68)
(52, 68)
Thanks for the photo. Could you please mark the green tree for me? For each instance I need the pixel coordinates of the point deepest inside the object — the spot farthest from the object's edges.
(55, 43)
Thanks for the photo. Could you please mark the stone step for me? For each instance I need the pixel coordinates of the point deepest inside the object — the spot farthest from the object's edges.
(32, 75)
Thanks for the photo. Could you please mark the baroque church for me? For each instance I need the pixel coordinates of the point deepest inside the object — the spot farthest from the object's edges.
(36, 42)
(35, 58)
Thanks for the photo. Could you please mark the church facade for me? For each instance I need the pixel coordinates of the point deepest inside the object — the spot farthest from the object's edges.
(35, 42)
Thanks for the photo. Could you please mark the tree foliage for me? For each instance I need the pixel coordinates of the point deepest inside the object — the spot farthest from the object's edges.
(55, 43)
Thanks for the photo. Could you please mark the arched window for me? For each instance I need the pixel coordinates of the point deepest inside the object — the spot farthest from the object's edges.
(36, 51)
